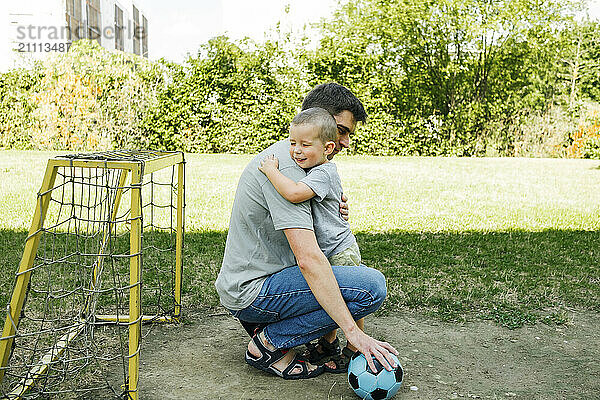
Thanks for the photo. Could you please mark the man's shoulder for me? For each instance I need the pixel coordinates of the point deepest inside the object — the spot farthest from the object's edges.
(281, 150)
(277, 146)
(287, 166)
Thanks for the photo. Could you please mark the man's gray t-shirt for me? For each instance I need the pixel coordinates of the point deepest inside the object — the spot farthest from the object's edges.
(332, 231)
(256, 245)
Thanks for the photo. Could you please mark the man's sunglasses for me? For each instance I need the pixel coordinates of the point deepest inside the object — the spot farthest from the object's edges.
(344, 129)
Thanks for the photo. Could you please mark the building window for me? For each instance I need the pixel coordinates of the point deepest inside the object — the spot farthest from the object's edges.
(94, 19)
(73, 15)
(136, 31)
(119, 39)
(144, 37)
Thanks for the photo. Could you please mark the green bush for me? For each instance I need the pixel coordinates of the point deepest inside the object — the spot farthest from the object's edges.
(235, 98)
(17, 106)
(92, 99)
(592, 148)
(452, 78)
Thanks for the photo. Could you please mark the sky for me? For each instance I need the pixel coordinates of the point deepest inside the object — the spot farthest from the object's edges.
(179, 27)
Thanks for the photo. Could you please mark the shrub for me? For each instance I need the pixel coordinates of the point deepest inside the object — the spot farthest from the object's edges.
(92, 99)
(17, 107)
(543, 134)
(586, 139)
(230, 97)
(519, 98)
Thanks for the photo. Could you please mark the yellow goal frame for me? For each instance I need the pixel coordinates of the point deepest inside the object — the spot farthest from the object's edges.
(137, 169)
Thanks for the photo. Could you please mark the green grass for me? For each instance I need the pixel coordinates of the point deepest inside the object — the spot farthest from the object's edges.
(511, 240)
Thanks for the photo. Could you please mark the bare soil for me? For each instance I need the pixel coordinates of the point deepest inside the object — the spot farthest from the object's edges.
(204, 359)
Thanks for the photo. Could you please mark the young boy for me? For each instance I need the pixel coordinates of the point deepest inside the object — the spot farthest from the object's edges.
(312, 139)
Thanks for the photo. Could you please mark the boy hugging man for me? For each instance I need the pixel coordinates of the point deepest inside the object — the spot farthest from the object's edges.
(312, 139)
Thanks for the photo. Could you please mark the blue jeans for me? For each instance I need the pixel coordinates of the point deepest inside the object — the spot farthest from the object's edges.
(292, 313)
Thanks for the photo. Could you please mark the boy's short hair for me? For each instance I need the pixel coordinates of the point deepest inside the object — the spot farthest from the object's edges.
(320, 119)
(335, 98)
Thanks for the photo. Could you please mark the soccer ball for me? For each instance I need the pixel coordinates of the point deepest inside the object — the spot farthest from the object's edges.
(369, 386)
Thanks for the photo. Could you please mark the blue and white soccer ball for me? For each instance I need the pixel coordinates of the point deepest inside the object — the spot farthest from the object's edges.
(369, 386)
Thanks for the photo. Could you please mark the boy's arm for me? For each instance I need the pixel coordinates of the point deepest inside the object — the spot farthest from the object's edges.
(294, 192)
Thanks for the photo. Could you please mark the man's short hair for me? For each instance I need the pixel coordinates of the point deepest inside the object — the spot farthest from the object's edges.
(320, 119)
(335, 98)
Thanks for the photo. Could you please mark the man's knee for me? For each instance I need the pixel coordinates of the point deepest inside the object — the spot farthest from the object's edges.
(378, 287)
(374, 288)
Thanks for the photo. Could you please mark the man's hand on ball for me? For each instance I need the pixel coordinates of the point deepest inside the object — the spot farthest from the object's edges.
(373, 348)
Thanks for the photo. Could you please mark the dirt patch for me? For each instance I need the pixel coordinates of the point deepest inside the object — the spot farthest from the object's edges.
(205, 360)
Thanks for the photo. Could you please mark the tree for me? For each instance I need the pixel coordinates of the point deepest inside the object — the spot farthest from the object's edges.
(440, 73)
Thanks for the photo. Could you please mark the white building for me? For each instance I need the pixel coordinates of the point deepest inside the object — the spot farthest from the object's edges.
(33, 28)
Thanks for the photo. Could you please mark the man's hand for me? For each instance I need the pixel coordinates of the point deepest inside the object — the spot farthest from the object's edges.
(372, 348)
(344, 207)
(269, 163)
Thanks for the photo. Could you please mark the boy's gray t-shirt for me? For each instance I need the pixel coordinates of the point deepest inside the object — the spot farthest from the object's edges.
(256, 245)
(332, 231)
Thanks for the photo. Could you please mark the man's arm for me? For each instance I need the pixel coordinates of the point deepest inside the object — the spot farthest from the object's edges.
(294, 192)
(318, 274)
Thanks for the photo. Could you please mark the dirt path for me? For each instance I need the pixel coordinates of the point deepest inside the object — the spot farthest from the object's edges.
(204, 360)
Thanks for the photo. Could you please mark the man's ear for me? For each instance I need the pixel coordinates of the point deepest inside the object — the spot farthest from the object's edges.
(329, 146)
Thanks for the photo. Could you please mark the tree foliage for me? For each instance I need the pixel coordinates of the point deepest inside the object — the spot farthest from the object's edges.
(448, 76)
(228, 98)
(444, 77)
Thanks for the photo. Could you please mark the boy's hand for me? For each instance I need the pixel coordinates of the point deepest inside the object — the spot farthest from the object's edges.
(344, 207)
(269, 163)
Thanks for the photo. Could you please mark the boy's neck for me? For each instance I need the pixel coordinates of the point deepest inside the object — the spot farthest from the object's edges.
(321, 163)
